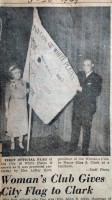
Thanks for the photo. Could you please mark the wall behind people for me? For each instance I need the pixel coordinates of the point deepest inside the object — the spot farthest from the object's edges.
(79, 32)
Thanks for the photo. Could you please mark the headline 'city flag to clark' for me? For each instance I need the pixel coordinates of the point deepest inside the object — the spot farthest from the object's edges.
(53, 83)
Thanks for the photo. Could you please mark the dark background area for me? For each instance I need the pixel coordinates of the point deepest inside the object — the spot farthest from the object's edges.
(79, 32)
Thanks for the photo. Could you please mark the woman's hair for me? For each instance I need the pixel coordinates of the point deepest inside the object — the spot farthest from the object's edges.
(12, 68)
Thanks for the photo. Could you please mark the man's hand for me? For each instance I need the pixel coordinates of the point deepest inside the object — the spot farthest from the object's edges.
(79, 89)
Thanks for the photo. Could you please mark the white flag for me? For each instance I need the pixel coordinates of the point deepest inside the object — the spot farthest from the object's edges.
(53, 83)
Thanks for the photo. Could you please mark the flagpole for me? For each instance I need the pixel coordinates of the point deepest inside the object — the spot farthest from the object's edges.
(29, 127)
(30, 108)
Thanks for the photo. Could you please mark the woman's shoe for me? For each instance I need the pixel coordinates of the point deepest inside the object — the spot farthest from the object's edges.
(21, 145)
(12, 145)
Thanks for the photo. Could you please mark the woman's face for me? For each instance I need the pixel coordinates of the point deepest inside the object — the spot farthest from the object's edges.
(16, 74)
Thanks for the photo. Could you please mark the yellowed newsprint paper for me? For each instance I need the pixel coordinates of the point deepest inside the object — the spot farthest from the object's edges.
(55, 100)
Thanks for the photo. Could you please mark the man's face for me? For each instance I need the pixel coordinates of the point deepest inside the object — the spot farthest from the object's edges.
(87, 66)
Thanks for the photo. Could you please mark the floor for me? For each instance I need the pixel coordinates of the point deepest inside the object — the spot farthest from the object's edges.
(41, 146)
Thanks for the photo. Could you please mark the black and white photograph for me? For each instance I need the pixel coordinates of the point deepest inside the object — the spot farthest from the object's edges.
(55, 81)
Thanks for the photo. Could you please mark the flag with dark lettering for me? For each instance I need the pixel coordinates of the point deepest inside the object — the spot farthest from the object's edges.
(53, 82)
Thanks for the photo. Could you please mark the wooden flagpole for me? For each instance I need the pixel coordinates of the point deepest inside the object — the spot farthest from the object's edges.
(30, 108)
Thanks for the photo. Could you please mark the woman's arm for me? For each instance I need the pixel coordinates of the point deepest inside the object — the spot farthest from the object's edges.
(7, 99)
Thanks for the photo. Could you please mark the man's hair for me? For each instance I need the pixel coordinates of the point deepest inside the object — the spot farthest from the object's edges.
(88, 58)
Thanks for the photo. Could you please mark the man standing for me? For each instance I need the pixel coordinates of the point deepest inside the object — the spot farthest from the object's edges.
(84, 106)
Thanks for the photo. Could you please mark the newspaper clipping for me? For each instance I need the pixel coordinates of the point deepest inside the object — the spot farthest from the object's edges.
(55, 100)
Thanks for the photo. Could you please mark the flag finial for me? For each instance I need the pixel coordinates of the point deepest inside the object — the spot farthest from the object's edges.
(36, 15)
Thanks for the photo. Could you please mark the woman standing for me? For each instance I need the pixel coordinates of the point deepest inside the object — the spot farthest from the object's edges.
(16, 107)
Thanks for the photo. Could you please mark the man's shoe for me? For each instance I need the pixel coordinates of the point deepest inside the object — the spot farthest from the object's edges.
(71, 150)
(85, 153)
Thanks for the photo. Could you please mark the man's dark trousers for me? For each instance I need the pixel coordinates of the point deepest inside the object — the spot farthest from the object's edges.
(84, 108)
(84, 121)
